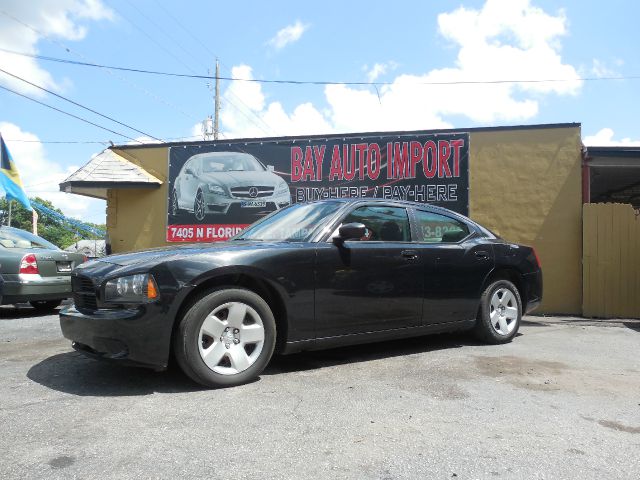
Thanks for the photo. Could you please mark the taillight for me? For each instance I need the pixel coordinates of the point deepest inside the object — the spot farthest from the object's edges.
(29, 264)
(535, 254)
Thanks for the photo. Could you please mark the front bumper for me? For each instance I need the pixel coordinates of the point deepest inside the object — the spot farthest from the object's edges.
(135, 336)
(216, 203)
(26, 288)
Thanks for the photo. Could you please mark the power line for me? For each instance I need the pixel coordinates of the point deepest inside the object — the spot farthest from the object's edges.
(80, 142)
(107, 70)
(79, 105)
(69, 114)
(321, 82)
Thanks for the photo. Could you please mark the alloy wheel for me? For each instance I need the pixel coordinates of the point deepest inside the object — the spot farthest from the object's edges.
(199, 206)
(231, 338)
(503, 311)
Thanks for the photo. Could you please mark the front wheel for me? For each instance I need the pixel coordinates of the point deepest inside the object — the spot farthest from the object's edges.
(499, 314)
(226, 338)
(199, 207)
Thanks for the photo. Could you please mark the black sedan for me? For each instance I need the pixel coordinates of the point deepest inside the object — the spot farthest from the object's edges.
(311, 276)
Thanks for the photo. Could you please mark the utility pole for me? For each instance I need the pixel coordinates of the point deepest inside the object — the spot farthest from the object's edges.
(216, 121)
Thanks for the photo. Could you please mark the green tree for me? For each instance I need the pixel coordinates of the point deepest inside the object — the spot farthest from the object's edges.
(57, 232)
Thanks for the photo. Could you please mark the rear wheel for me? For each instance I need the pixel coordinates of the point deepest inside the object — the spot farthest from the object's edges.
(500, 313)
(226, 338)
(45, 305)
(199, 206)
(175, 208)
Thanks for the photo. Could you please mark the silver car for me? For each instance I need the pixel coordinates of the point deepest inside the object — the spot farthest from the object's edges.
(220, 182)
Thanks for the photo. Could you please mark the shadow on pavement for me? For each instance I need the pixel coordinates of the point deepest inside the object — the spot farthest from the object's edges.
(77, 375)
(367, 352)
(9, 312)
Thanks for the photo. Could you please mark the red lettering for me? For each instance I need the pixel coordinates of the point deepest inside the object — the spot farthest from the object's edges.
(318, 153)
(430, 159)
(444, 152)
(457, 146)
(416, 156)
(349, 162)
(389, 160)
(335, 171)
(296, 164)
(361, 149)
(309, 172)
(373, 161)
(400, 159)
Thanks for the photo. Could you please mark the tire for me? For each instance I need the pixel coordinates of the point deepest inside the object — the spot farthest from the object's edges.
(199, 207)
(45, 305)
(500, 313)
(174, 207)
(225, 338)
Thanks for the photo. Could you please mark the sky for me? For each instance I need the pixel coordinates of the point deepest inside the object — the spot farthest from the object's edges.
(424, 65)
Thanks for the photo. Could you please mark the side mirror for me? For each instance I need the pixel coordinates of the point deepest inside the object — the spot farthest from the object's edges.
(350, 231)
(270, 168)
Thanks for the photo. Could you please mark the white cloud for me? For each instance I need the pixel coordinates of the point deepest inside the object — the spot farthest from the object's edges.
(503, 40)
(604, 138)
(41, 176)
(379, 69)
(599, 69)
(288, 35)
(60, 19)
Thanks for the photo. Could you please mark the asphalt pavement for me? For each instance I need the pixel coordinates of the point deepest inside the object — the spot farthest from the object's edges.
(561, 401)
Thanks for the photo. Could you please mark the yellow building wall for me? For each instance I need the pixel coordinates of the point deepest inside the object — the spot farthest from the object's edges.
(137, 218)
(525, 184)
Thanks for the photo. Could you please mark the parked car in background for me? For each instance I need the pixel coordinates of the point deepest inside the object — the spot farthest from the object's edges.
(310, 276)
(220, 182)
(34, 270)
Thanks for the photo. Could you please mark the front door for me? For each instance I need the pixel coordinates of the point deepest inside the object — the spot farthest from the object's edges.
(371, 284)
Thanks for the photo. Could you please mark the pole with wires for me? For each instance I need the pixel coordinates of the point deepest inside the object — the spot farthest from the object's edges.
(216, 121)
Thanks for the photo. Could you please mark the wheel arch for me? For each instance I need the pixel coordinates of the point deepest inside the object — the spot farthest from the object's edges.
(251, 281)
(511, 274)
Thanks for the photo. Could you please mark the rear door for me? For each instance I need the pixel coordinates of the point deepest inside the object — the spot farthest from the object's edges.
(371, 284)
(456, 263)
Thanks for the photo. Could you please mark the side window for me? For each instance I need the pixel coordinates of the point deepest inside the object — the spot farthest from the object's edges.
(384, 224)
(436, 228)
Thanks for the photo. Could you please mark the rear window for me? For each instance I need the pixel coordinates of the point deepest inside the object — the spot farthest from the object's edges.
(435, 228)
(15, 238)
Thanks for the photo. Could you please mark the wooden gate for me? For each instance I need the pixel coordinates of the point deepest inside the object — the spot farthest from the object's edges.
(611, 261)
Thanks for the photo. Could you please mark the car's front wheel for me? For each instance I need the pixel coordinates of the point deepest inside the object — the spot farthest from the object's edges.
(225, 338)
(199, 207)
(500, 313)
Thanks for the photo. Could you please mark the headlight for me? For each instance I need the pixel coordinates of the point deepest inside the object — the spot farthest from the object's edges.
(140, 288)
(282, 188)
(216, 189)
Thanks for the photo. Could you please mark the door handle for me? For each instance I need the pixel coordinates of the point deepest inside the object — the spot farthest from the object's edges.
(481, 254)
(409, 254)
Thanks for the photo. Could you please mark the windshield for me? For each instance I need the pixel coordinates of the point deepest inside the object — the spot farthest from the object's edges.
(231, 162)
(296, 223)
(16, 238)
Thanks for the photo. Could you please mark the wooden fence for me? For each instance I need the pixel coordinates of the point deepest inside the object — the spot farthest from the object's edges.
(611, 261)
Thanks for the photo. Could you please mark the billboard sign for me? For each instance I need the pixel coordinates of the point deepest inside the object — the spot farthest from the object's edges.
(217, 189)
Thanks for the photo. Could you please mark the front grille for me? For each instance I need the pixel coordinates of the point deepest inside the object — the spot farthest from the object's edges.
(84, 293)
(252, 192)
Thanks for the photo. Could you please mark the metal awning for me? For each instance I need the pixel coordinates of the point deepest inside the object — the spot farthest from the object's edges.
(105, 171)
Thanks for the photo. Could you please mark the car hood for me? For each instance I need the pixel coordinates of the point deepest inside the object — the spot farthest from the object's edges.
(240, 179)
(163, 254)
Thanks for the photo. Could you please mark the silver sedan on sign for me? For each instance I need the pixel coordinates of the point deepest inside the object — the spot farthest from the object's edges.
(227, 182)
